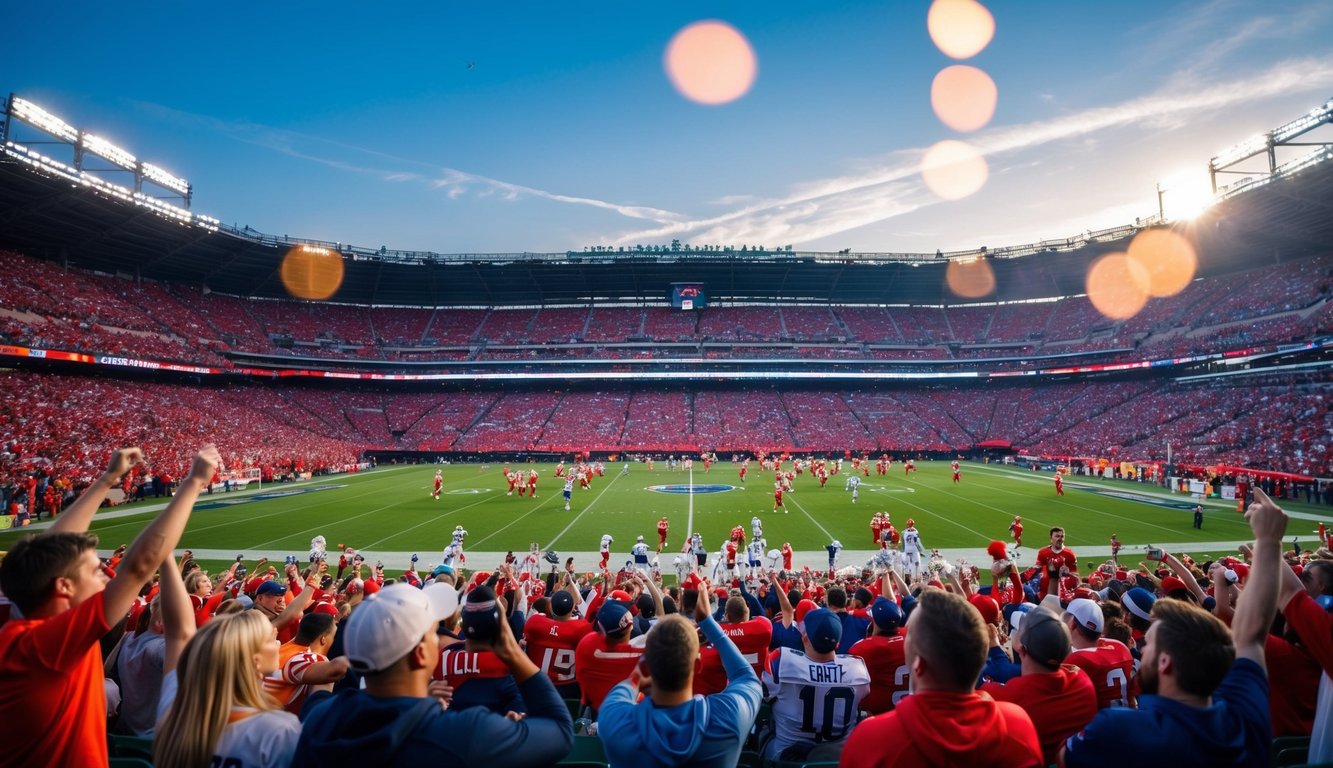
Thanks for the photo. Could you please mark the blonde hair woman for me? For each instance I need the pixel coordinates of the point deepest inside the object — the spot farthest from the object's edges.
(221, 715)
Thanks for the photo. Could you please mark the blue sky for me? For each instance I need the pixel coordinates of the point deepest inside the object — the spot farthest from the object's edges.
(366, 125)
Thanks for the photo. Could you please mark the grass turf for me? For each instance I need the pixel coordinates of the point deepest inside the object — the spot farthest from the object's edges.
(390, 510)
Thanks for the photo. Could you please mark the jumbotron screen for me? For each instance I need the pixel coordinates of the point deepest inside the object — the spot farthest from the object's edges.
(688, 295)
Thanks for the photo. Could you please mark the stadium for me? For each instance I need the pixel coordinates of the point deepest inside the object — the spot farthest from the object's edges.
(1156, 369)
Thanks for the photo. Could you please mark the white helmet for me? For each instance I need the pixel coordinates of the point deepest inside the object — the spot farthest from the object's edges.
(837, 544)
(640, 538)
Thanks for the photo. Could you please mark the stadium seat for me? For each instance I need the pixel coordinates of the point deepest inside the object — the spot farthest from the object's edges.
(131, 747)
(587, 753)
(1290, 750)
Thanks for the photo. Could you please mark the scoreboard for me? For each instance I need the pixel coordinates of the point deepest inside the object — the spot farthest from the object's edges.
(687, 295)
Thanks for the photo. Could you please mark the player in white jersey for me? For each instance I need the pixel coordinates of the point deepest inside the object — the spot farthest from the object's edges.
(755, 555)
(605, 550)
(816, 694)
(834, 550)
(640, 553)
(757, 528)
(854, 485)
(453, 552)
(681, 563)
(912, 548)
(569, 488)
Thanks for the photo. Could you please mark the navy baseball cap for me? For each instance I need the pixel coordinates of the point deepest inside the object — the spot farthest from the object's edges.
(613, 616)
(823, 629)
(562, 603)
(886, 613)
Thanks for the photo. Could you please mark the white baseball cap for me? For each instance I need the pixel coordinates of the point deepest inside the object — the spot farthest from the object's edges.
(1087, 614)
(389, 624)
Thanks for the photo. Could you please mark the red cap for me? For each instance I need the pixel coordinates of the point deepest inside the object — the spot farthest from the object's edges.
(1242, 571)
(1171, 584)
(1084, 593)
(1122, 574)
(987, 607)
(370, 587)
(253, 584)
(326, 608)
(804, 607)
(623, 596)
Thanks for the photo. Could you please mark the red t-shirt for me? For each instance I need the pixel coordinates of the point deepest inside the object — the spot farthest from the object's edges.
(1110, 667)
(751, 637)
(888, 671)
(942, 728)
(1050, 561)
(551, 645)
(1060, 704)
(52, 672)
(1293, 687)
(600, 667)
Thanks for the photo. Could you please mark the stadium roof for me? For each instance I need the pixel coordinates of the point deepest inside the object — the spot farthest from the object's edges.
(48, 215)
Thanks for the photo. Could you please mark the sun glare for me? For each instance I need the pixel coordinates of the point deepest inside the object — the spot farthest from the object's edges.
(710, 62)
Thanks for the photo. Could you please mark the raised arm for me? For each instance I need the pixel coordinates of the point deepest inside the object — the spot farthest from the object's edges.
(1258, 603)
(78, 516)
(1183, 573)
(297, 606)
(178, 624)
(788, 613)
(155, 543)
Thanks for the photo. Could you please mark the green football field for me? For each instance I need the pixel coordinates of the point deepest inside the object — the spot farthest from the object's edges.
(388, 513)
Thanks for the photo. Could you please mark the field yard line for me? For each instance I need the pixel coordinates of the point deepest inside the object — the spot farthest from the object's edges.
(316, 528)
(239, 521)
(434, 519)
(581, 513)
(1093, 510)
(947, 520)
(513, 522)
(830, 536)
(689, 521)
(987, 506)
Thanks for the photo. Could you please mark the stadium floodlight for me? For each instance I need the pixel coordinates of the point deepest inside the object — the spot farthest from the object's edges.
(39, 118)
(166, 180)
(1309, 121)
(108, 151)
(1247, 148)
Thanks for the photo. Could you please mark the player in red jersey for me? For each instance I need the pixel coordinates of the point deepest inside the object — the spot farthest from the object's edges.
(876, 525)
(439, 483)
(662, 527)
(512, 479)
(532, 484)
(957, 473)
(738, 535)
(1115, 549)
(560, 469)
(1055, 561)
(1016, 531)
(1107, 662)
(909, 467)
(777, 497)
(745, 468)
(1059, 484)
(786, 556)
(551, 641)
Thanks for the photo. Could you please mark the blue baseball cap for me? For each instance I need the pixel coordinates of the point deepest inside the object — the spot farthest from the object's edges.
(1139, 602)
(823, 629)
(270, 587)
(886, 613)
(613, 616)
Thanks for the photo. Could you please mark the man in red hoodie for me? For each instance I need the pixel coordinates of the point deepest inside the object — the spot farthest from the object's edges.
(945, 722)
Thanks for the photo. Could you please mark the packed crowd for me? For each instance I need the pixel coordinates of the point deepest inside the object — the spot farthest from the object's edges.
(901, 662)
(51, 307)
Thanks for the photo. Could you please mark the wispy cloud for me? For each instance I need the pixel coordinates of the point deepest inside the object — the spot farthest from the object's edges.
(892, 187)
(453, 182)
